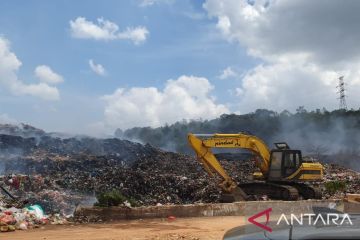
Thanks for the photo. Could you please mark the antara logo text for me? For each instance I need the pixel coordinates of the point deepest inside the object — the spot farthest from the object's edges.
(310, 219)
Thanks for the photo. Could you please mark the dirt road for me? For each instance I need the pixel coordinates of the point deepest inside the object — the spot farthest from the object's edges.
(185, 228)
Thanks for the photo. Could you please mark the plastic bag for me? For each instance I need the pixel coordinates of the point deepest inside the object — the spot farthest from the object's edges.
(37, 211)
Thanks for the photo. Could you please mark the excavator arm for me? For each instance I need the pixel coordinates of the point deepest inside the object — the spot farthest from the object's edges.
(202, 144)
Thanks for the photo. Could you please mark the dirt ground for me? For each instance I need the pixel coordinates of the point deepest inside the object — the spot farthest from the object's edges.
(180, 228)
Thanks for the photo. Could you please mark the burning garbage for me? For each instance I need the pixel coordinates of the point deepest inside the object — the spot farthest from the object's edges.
(60, 174)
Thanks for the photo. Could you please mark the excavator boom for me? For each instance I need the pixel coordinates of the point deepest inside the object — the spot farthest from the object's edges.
(202, 144)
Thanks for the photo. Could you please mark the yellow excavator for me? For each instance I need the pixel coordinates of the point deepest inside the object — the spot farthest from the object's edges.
(284, 174)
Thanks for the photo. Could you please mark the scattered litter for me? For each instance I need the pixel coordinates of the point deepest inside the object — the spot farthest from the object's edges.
(171, 218)
(55, 175)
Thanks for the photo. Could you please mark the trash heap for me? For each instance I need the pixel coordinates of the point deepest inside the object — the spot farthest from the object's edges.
(157, 178)
(349, 179)
(61, 173)
(33, 216)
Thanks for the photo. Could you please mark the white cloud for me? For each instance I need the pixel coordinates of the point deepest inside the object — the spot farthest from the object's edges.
(106, 30)
(228, 73)
(9, 65)
(282, 86)
(184, 98)
(46, 74)
(6, 119)
(303, 48)
(97, 68)
(147, 3)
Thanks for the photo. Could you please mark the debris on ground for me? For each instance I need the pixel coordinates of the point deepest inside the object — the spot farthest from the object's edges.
(342, 181)
(59, 174)
(33, 216)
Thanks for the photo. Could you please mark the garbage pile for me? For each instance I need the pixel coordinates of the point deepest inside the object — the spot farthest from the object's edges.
(33, 216)
(22, 130)
(156, 178)
(349, 179)
(61, 173)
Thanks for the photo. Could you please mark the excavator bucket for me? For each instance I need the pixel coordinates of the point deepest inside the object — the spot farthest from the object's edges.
(237, 195)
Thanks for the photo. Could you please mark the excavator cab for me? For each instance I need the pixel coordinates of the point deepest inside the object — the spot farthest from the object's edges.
(284, 163)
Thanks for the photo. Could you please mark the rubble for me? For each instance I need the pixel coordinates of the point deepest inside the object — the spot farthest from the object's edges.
(161, 179)
(26, 218)
(59, 174)
(22, 130)
(158, 178)
(350, 178)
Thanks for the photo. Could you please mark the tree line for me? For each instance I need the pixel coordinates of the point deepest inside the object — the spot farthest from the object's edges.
(319, 132)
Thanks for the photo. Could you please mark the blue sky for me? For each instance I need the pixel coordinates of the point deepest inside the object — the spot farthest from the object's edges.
(181, 41)
(221, 56)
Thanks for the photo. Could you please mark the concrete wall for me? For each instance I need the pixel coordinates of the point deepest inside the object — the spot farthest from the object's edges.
(208, 210)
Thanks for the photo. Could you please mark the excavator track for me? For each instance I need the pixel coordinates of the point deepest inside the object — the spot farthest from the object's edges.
(305, 190)
(272, 190)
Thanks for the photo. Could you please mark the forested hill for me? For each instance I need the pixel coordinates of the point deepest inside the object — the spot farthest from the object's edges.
(317, 132)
